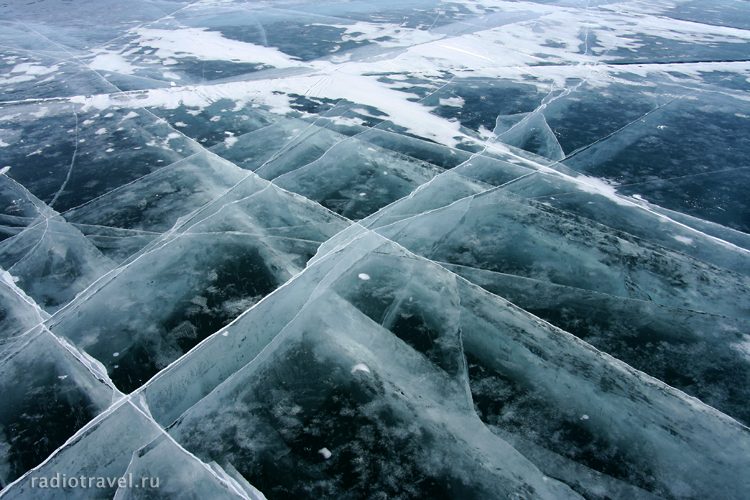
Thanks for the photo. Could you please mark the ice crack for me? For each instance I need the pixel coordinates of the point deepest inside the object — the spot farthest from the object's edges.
(70, 170)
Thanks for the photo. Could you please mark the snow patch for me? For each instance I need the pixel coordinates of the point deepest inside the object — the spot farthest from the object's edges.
(229, 141)
(743, 347)
(112, 62)
(360, 367)
(207, 45)
(683, 239)
(452, 101)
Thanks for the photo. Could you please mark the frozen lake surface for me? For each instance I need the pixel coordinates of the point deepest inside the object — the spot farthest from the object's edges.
(410, 249)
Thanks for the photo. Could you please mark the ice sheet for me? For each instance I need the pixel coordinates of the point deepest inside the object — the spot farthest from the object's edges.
(403, 249)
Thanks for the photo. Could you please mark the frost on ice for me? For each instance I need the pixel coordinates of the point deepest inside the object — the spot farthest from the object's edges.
(435, 249)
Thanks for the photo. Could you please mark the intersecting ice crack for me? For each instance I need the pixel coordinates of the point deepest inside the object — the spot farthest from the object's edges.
(128, 95)
(345, 139)
(328, 113)
(163, 433)
(657, 108)
(660, 215)
(128, 184)
(7, 279)
(684, 176)
(134, 28)
(449, 265)
(288, 330)
(135, 231)
(29, 255)
(551, 96)
(121, 92)
(243, 233)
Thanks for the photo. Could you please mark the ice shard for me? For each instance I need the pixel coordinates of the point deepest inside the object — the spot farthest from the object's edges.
(170, 471)
(102, 449)
(48, 258)
(50, 390)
